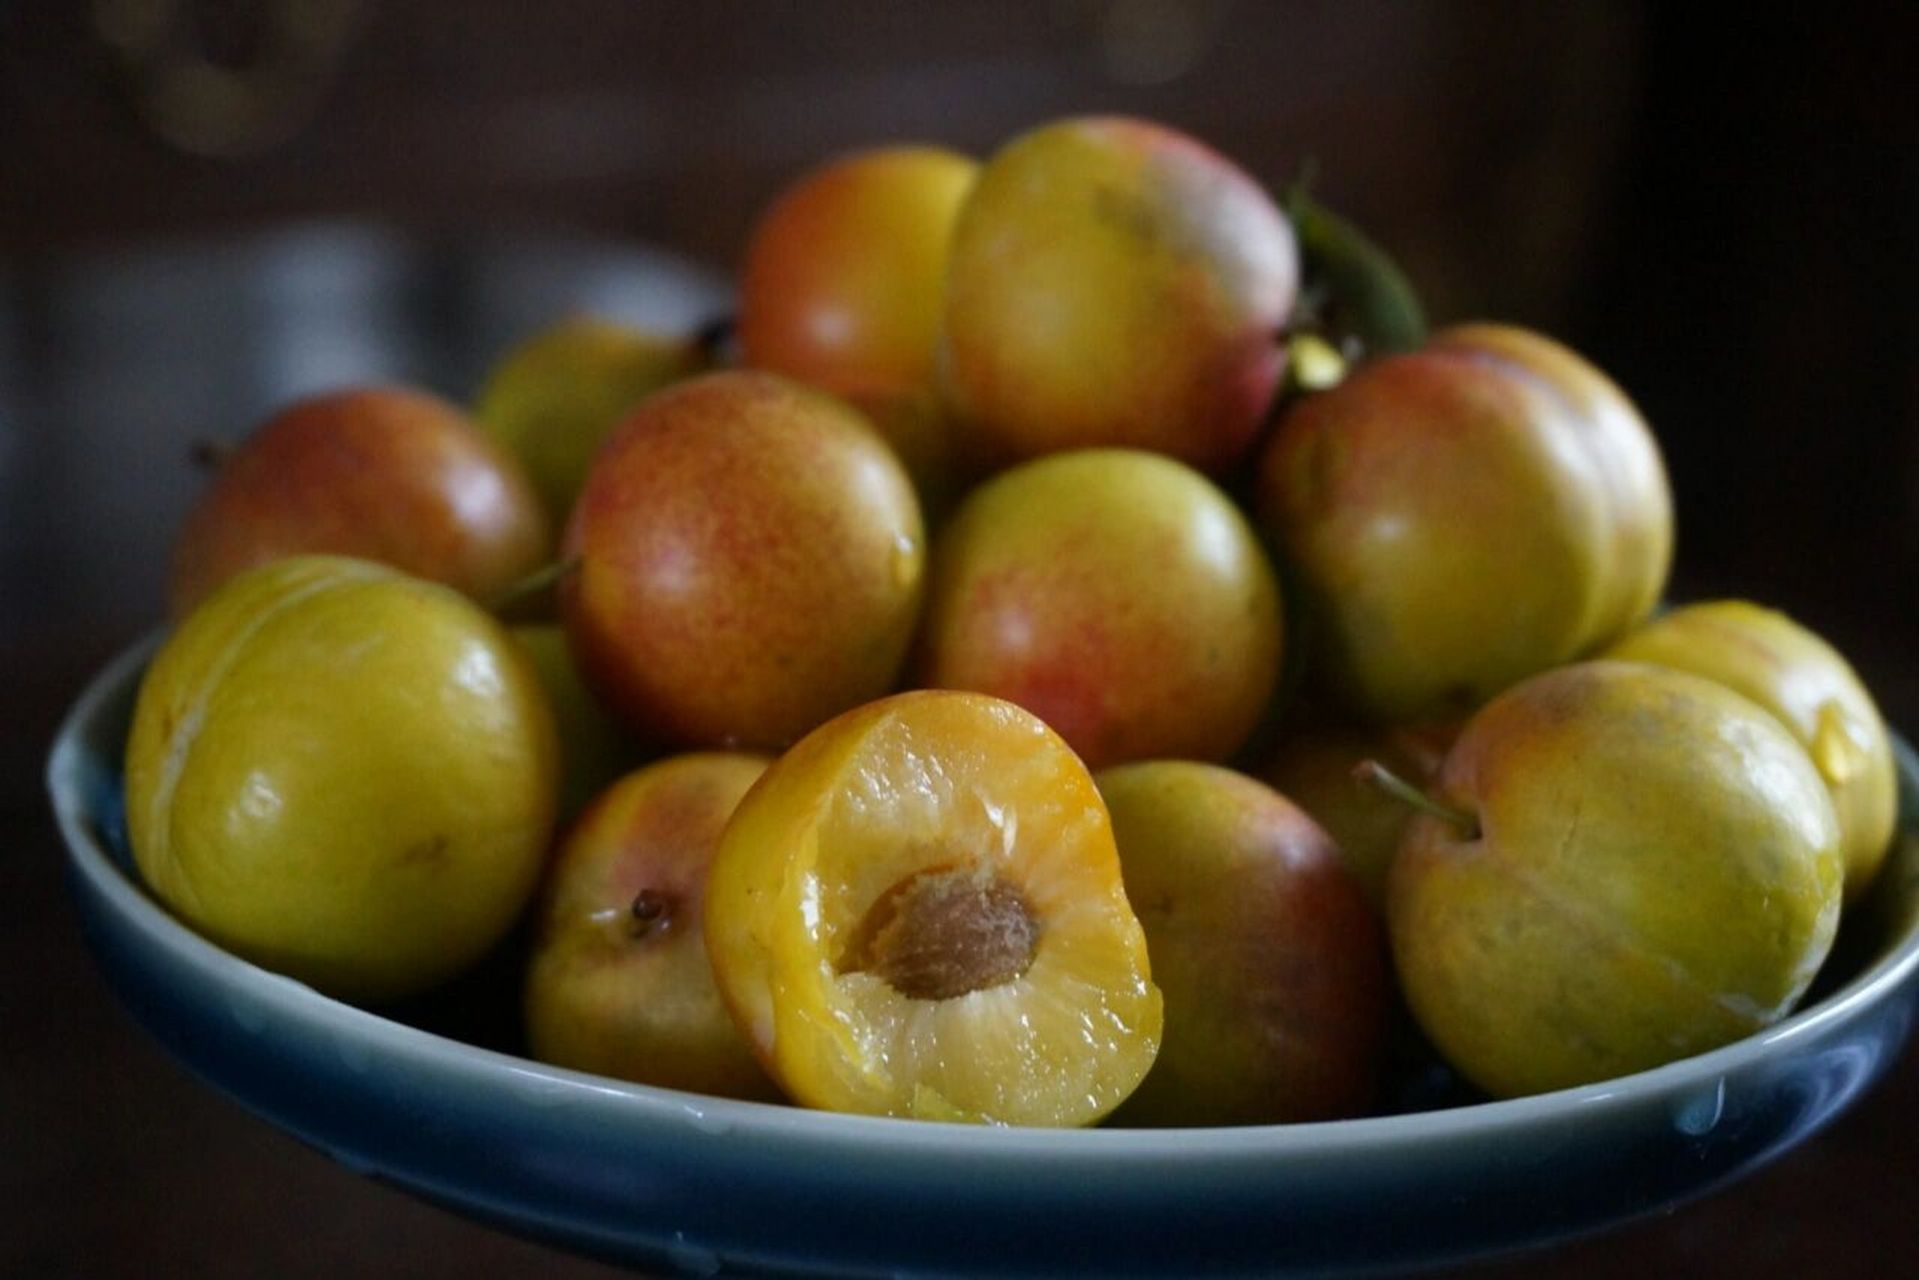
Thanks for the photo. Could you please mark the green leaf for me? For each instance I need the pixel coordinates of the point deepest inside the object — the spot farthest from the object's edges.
(1353, 288)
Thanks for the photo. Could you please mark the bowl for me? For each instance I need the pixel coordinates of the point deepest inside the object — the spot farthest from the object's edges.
(699, 1185)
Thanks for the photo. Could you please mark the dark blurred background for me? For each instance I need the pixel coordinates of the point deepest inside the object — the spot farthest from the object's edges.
(208, 206)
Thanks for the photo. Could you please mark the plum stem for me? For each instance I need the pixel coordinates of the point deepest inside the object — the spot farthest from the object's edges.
(1374, 774)
(533, 584)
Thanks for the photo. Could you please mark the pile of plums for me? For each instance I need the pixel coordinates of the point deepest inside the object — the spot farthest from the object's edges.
(1074, 646)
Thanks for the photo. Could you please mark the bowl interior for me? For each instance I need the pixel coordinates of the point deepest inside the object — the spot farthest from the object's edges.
(433, 1096)
(1878, 943)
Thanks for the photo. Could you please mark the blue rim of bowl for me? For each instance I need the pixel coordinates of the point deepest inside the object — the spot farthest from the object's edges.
(789, 1123)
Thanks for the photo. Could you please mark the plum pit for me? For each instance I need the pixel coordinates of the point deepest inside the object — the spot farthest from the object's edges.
(946, 931)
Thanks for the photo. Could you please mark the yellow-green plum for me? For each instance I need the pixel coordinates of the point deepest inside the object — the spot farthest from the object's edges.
(388, 473)
(1463, 516)
(618, 983)
(555, 398)
(1639, 865)
(750, 562)
(1809, 685)
(344, 774)
(1271, 962)
(1115, 282)
(845, 271)
(1116, 594)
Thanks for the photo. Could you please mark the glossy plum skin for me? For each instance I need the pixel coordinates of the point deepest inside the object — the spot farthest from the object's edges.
(843, 277)
(1645, 866)
(1115, 282)
(618, 983)
(1116, 594)
(1463, 516)
(389, 474)
(1271, 961)
(749, 561)
(344, 774)
(553, 399)
(1795, 674)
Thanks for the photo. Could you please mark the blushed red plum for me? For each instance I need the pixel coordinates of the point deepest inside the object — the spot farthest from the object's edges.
(844, 275)
(841, 288)
(388, 474)
(1271, 961)
(1116, 282)
(749, 563)
(1117, 595)
(554, 398)
(1460, 517)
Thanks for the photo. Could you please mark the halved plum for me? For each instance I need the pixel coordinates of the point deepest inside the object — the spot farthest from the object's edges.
(918, 911)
